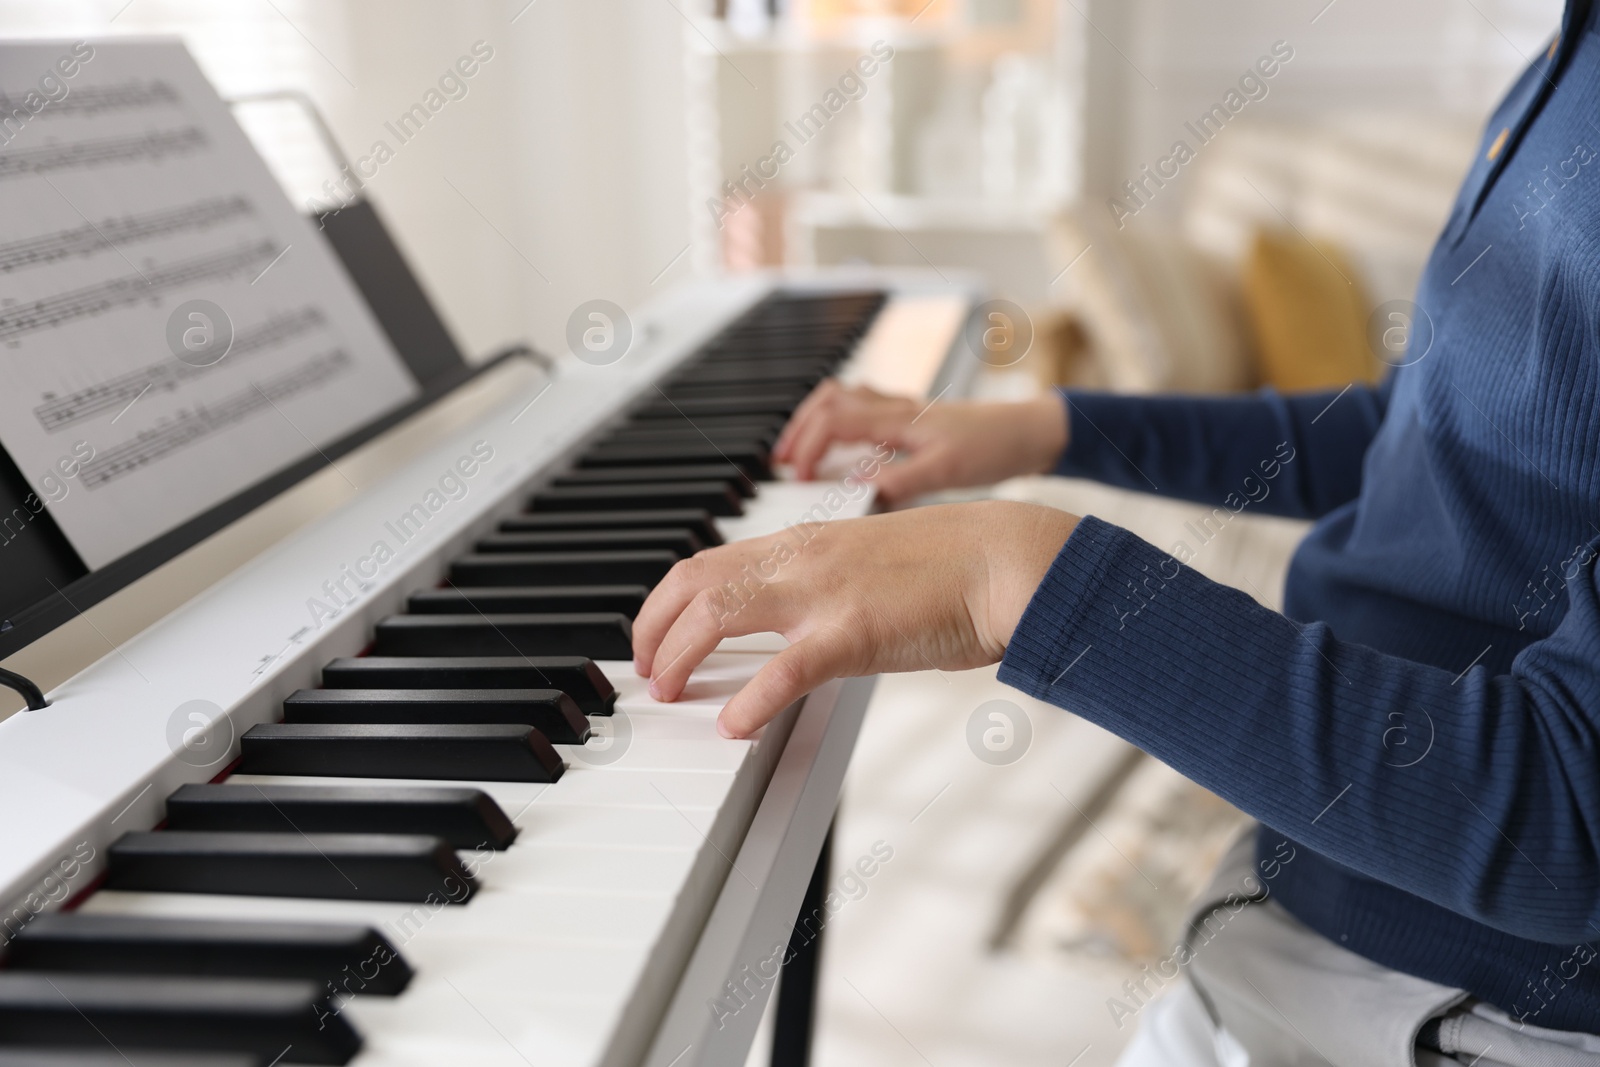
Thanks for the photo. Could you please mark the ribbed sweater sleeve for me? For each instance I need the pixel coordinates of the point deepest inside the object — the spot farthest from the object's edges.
(1480, 793)
(1202, 449)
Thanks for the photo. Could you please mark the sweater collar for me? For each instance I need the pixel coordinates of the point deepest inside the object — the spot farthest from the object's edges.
(1516, 114)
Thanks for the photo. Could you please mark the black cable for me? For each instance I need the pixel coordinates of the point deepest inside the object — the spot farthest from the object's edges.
(30, 692)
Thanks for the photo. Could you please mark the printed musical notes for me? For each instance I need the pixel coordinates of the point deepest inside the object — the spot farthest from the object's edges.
(149, 147)
(162, 302)
(93, 99)
(201, 421)
(110, 234)
(94, 299)
(60, 412)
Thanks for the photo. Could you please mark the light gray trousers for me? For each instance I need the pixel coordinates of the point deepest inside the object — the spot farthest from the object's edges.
(1266, 991)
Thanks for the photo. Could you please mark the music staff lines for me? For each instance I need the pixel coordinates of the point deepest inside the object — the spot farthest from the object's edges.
(93, 99)
(130, 229)
(130, 289)
(201, 421)
(58, 413)
(100, 151)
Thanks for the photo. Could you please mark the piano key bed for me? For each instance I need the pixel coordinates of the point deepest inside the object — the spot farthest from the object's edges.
(466, 845)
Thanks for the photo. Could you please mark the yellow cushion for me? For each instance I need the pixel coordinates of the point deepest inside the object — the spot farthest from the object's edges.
(1306, 314)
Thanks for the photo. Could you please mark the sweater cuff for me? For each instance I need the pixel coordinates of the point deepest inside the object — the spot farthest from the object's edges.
(1056, 626)
(1092, 419)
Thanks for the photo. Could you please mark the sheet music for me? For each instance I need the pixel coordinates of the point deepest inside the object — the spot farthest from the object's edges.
(162, 305)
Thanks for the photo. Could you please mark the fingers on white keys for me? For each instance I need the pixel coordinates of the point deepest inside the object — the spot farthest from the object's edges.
(697, 606)
(693, 636)
(666, 602)
(817, 430)
(851, 416)
(791, 674)
(802, 417)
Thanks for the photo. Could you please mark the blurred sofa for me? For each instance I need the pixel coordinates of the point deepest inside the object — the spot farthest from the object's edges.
(1261, 263)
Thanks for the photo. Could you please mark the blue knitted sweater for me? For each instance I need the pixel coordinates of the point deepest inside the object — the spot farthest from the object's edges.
(1424, 725)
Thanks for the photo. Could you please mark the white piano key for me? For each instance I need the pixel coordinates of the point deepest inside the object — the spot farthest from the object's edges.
(764, 644)
(419, 1046)
(721, 675)
(557, 974)
(780, 505)
(650, 724)
(576, 869)
(616, 828)
(480, 1000)
(437, 1023)
(712, 754)
(511, 912)
(608, 787)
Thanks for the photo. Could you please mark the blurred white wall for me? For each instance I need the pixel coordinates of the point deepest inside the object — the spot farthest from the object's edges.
(1155, 64)
(558, 179)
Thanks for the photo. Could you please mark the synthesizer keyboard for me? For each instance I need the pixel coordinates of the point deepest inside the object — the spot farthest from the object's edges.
(413, 806)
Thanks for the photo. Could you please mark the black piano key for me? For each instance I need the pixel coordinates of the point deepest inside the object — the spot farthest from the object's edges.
(802, 312)
(729, 473)
(807, 371)
(259, 1016)
(550, 711)
(483, 752)
(763, 366)
(644, 566)
(576, 676)
(34, 1056)
(813, 310)
(765, 402)
(829, 347)
(667, 432)
(597, 635)
(829, 354)
(711, 425)
(529, 600)
(831, 359)
(689, 394)
(792, 339)
(808, 308)
(730, 429)
(789, 332)
(833, 302)
(793, 305)
(781, 335)
(777, 327)
(716, 497)
(694, 519)
(346, 956)
(753, 422)
(681, 542)
(705, 378)
(754, 460)
(467, 818)
(404, 867)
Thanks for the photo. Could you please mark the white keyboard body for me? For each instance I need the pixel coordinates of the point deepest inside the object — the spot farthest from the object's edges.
(636, 887)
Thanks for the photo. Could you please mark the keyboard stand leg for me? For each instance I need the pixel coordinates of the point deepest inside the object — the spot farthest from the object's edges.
(797, 989)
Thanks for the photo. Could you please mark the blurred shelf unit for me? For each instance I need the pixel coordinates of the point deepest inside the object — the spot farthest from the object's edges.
(836, 131)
